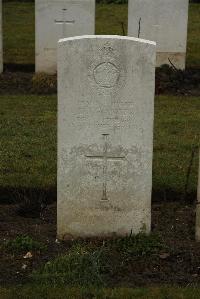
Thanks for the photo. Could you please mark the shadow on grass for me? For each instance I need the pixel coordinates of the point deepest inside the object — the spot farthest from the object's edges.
(169, 195)
(16, 195)
(14, 67)
(30, 201)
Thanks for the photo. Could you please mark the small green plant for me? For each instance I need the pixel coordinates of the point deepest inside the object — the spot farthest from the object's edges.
(87, 264)
(139, 245)
(81, 266)
(23, 244)
(44, 84)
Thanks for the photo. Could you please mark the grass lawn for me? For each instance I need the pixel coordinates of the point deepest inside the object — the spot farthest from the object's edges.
(47, 292)
(18, 24)
(28, 144)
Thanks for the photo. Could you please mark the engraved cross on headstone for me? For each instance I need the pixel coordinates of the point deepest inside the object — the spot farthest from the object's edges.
(64, 21)
(105, 157)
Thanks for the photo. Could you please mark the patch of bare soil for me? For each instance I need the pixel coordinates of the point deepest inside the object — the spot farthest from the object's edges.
(168, 81)
(177, 82)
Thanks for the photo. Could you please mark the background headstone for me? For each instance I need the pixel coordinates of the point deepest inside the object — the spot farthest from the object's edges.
(163, 21)
(105, 135)
(57, 19)
(1, 39)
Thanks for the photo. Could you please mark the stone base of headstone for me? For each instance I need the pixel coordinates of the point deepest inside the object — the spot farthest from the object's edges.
(176, 60)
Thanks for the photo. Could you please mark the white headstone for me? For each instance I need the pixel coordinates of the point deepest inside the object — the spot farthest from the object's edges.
(56, 19)
(164, 21)
(105, 135)
(1, 39)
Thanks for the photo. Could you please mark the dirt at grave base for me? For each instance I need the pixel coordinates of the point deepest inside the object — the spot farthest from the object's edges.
(174, 221)
(168, 81)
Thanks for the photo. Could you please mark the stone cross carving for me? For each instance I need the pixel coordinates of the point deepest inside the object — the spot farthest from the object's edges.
(64, 22)
(105, 157)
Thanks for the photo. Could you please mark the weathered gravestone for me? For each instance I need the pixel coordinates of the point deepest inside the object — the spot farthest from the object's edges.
(164, 21)
(1, 47)
(105, 135)
(57, 19)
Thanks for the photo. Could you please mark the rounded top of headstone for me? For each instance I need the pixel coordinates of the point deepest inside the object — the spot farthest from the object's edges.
(107, 37)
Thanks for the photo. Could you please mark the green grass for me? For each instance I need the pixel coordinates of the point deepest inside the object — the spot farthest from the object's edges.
(80, 266)
(109, 19)
(22, 244)
(19, 32)
(28, 143)
(193, 46)
(87, 264)
(47, 292)
(18, 22)
(176, 133)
